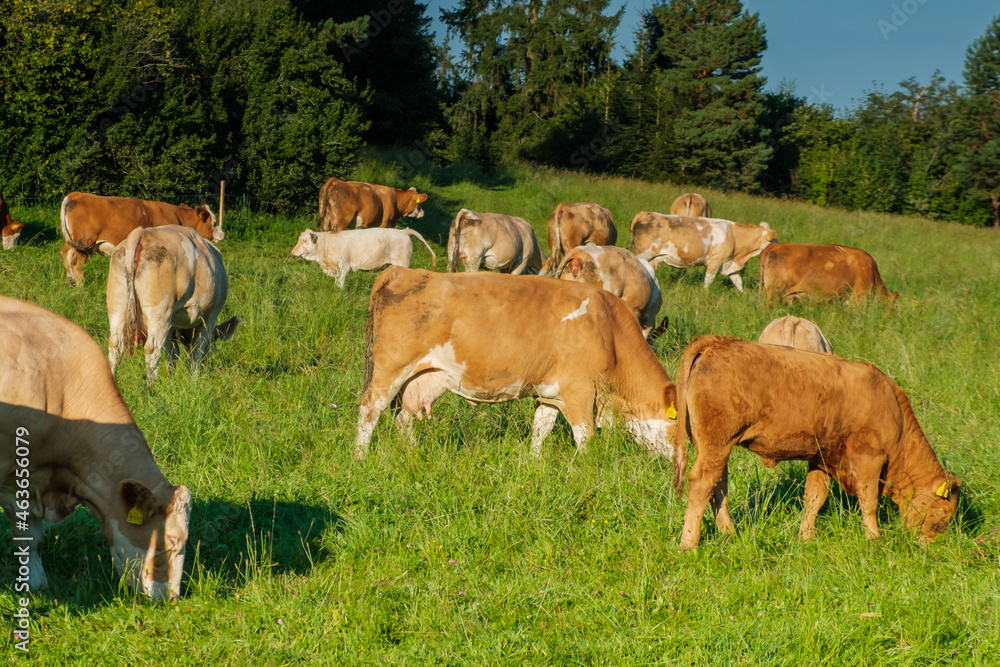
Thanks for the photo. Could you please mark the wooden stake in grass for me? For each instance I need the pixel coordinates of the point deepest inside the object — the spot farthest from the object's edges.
(222, 202)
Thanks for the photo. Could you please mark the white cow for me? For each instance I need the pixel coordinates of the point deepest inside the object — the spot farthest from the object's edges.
(796, 332)
(339, 253)
(494, 240)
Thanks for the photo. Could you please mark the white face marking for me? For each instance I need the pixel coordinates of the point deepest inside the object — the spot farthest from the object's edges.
(653, 434)
(130, 560)
(579, 312)
(10, 241)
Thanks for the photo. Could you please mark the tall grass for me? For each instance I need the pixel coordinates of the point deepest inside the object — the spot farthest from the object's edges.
(464, 549)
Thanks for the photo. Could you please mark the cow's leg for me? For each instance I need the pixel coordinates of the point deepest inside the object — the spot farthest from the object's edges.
(705, 476)
(545, 419)
(374, 401)
(817, 489)
(201, 342)
(157, 338)
(342, 276)
(720, 504)
(579, 412)
(868, 500)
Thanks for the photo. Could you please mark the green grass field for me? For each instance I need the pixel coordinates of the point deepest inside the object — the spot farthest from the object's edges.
(466, 550)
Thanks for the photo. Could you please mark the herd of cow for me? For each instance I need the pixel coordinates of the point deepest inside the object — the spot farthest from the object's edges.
(576, 338)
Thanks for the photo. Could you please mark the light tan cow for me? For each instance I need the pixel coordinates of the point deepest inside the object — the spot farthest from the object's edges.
(618, 271)
(572, 225)
(796, 332)
(164, 279)
(692, 205)
(339, 253)
(91, 223)
(70, 440)
(846, 419)
(493, 240)
(11, 231)
(346, 203)
(718, 245)
(574, 348)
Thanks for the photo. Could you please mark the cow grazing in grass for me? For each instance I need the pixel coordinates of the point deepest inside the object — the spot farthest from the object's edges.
(819, 271)
(91, 223)
(682, 242)
(691, 205)
(618, 271)
(69, 440)
(163, 280)
(11, 229)
(795, 332)
(572, 225)
(494, 240)
(493, 338)
(358, 250)
(346, 203)
(846, 419)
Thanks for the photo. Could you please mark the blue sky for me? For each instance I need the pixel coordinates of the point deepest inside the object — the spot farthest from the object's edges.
(835, 50)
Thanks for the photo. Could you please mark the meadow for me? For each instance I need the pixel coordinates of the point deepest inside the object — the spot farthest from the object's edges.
(464, 549)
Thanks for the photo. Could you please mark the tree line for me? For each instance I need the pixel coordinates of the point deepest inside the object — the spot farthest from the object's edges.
(161, 97)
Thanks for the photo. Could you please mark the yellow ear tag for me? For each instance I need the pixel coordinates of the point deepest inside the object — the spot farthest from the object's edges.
(671, 412)
(135, 516)
(944, 491)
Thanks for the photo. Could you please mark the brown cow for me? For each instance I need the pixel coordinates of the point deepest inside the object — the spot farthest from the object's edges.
(66, 429)
(682, 242)
(797, 332)
(801, 271)
(11, 228)
(572, 225)
(92, 223)
(692, 205)
(492, 338)
(846, 419)
(343, 203)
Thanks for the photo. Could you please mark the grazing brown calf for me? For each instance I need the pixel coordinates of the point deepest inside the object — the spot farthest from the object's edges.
(91, 223)
(494, 240)
(846, 419)
(492, 338)
(802, 271)
(343, 203)
(692, 205)
(572, 225)
(81, 447)
(11, 228)
(797, 332)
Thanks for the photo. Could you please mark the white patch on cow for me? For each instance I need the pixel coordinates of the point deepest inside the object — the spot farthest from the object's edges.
(359, 223)
(130, 560)
(545, 419)
(653, 434)
(648, 267)
(580, 435)
(442, 357)
(550, 391)
(579, 312)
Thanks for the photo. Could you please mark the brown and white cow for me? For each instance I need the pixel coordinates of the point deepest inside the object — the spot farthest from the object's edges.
(69, 439)
(91, 223)
(11, 231)
(339, 253)
(572, 225)
(692, 205)
(346, 203)
(846, 419)
(492, 338)
(618, 271)
(494, 240)
(164, 279)
(682, 242)
(818, 271)
(796, 332)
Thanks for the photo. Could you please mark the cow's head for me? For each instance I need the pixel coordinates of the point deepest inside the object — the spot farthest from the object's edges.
(932, 508)
(148, 536)
(412, 201)
(11, 234)
(205, 223)
(769, 234)
(308, 246)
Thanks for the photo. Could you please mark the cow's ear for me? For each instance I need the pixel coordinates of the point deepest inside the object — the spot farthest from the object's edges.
(670, 400)
(421, 198)
(137, 500)
(765, 225)
(202, 213)
(16, 227)
(313, 236)
(411, 189)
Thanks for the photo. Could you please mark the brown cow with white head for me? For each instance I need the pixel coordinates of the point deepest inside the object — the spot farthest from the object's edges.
(572, 225)
(346, 203)
(494, 240)
(819, 271)
(797, 332)
(91, 223)
(846, 419)
(70, 440)
(618, 271)
(691, 205)
(721, 246)
(576, 349)
(162, 280)
(11, 231)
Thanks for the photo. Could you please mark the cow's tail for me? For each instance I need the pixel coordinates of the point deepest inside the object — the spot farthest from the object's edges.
(788, 331)
(132, 322)
(67, 233)
(426, 245)
(324, 208)
(682, 428)
(454, 252)
(557, 250)
(375, 305)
